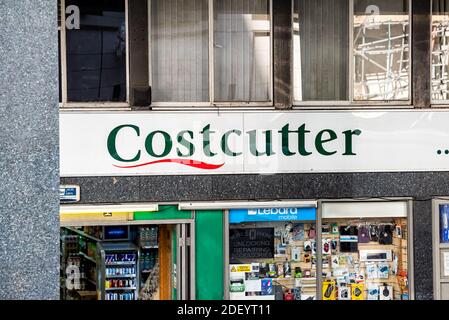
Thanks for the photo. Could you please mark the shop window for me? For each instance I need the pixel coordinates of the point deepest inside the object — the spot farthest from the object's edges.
(440, 228)
(271, 258)
(211, 52)
(363, 248)
(95, 52)
(440, 51)
(364, 256)
(350, 51)
(119, 262)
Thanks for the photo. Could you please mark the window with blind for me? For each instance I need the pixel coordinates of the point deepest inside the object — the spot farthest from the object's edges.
(242, 50)
(210, 51)
(342, 57)
(180, 50)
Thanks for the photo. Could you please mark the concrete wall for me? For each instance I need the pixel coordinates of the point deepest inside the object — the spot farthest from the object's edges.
(29, 161)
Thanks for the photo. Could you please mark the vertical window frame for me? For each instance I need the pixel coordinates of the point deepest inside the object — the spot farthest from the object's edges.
(437, 104)
(102, 105)
(211, 103)
(351, 103)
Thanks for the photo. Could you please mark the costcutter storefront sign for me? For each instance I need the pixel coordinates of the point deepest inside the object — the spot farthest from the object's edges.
(176, 143)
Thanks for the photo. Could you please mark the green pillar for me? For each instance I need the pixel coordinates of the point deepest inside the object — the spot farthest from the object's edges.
(209, 255)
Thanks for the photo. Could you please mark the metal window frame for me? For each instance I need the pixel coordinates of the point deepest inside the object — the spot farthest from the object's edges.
(212, 104)
(351, 103)
(65, 104)
(434, 103)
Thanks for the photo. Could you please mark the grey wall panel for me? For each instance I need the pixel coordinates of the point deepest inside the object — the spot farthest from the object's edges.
(29, 162)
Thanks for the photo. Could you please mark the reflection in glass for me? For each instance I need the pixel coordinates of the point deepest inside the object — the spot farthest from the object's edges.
(242, 45)
(381, 50)
(179, 50)
(96, 53)
(440, 52)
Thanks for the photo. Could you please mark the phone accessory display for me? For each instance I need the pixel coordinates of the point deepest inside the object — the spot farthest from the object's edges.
(363, 234)
(335, 262)
(272, 270)
(296, 254)
(326, 246)
(334, 244)
(372, 270)
(329, 290)
(334, 228)
(385, 292)
(344, 292)
(357, 291)
(385, 234)
(348, 239)
(384, 270)
(298, 232)
(267, 287)
(325, 229)
(307, 258)
(373, 232)
(373, 292)
(312, 233)
(307, 245)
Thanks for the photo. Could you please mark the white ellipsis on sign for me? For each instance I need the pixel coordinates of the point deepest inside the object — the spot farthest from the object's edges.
(150, 143)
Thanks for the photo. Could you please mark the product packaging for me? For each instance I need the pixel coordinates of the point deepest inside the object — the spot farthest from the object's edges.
(329, 290)
(357, 291)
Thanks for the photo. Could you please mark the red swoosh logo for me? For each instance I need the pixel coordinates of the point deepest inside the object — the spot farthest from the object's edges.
(186, 162)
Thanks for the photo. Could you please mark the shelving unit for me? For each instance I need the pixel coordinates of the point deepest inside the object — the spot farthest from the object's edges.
(118, 271)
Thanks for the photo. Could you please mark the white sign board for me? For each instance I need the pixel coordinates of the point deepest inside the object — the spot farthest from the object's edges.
(177, 143)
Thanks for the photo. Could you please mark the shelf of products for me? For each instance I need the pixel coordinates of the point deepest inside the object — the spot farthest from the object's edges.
(83, 234)
(148, 240)
(118, 271)
(362, 259)
(289, 274)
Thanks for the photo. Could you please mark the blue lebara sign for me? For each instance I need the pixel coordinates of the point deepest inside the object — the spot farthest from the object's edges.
(272, 214)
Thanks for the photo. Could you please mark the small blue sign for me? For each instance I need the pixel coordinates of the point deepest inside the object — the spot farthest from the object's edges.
(69, 194)
(272, 214)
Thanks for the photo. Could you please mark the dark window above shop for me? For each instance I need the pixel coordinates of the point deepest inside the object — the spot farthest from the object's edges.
(95, 52)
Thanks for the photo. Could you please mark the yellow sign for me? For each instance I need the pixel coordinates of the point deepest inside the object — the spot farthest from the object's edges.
(241, 268)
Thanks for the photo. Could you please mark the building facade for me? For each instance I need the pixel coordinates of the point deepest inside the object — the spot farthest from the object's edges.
(211, 144)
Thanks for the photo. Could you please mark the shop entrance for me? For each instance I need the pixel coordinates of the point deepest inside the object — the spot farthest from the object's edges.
(123, 259)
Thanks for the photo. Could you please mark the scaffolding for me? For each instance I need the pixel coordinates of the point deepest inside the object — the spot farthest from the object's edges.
(440, 60)
(381, 58)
